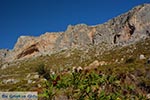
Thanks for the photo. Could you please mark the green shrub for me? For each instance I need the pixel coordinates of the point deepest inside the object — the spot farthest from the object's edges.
(41, 69)
(130, 60)
(91, 86)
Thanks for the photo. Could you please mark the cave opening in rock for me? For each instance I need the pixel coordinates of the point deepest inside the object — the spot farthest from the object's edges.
(30, 50)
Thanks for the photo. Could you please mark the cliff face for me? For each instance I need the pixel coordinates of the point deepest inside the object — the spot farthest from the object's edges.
(122, 30)
(30, 46)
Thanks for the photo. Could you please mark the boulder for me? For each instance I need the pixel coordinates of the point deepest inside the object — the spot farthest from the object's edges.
(77, 69)
(148, 96)
(10, 81)
(4, 66)
(29, 81)
(93, 65)
(28, 76)
(39, 85)
(102, 63)
(142, 57)
(36, 76)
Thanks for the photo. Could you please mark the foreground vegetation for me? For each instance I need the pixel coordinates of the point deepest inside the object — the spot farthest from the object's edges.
(92, 85)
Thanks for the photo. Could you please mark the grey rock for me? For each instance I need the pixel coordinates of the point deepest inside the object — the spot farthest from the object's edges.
(10, 81)
(3, 54)
(142, 57)
(28, 76)
(4, 66)
(39, 85)
(148, 96)
(36, 76)
(33, 82)
(30, 81)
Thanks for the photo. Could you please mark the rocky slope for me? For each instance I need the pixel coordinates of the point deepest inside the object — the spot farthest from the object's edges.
(122, 30)
(130, 65)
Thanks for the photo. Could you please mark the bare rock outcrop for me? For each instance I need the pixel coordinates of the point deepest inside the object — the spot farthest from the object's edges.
(122, 30)
(3, 54)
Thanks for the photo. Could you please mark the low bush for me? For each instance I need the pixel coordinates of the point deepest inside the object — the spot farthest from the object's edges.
(41, 69)
(92, 86)
(130, 60)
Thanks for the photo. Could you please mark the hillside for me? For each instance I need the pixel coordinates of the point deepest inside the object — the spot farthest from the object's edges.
(115, 53)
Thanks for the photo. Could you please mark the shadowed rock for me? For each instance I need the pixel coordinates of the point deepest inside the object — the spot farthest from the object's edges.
(28, 51)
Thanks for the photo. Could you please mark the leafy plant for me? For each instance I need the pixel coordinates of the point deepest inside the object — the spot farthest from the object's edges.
(91, 86)
(48, 91)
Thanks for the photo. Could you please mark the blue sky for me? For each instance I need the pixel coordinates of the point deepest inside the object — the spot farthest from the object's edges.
(35, 17)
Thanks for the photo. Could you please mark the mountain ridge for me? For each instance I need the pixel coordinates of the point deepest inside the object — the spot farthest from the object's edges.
(122, 30)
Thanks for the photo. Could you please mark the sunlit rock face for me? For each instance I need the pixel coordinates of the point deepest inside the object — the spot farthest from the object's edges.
(122, 30)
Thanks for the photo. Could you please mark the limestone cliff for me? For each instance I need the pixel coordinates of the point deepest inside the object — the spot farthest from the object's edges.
(122, 30)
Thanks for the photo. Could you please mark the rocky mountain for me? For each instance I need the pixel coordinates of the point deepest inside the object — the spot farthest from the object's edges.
(106, 61)
(122, 30)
